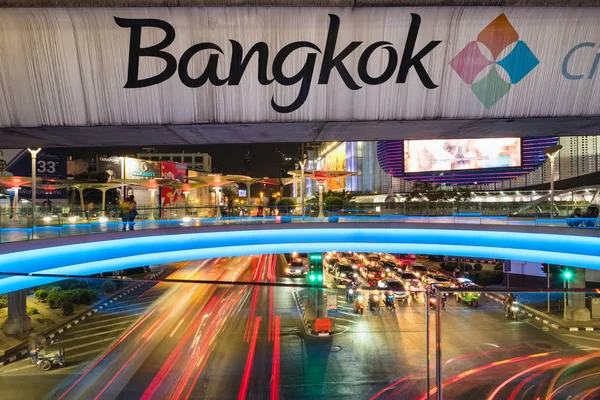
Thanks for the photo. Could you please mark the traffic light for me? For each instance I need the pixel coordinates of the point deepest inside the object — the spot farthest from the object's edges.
(568, 275)
(315, 272)
(554, 269)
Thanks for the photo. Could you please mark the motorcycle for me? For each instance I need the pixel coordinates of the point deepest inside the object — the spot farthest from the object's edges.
(374, 302)
(359, 305)
(512, 310)
(433, 302)
(389, 301)
(48, 356)
(350, 295)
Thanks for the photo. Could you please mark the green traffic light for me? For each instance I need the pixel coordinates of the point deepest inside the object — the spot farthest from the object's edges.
(320, 277)
(567, 275)
(311, 277)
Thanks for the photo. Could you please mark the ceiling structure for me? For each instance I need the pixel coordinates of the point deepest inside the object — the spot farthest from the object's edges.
(293, 132)
(295, 3)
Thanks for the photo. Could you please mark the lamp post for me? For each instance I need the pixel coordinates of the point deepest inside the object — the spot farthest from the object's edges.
(302, 166)
(321, 184)
(567, 275)
(16, 203)
(551, 152)
(152, 194)
(34, 154)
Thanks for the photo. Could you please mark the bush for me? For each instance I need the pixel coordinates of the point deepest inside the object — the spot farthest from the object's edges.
(467, 267)
(3, 301)
(333, 201)
(32, 311)
(41, 294)
(477, 267)
(449, 265)
(486, 278)
(499, 266)
(68, 308)
(108, 287)
(286, 202)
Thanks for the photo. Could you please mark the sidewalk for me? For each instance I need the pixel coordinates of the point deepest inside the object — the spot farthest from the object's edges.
(551, 319)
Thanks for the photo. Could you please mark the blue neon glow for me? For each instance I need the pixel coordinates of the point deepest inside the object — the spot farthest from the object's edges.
(110, 255)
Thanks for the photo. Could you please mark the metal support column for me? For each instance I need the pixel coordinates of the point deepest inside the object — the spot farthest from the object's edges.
(438, 344)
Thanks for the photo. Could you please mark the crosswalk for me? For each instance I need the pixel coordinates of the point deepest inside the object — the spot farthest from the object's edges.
(88, 339)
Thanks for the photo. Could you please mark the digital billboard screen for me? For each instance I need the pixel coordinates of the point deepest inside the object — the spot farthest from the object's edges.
(461, 154)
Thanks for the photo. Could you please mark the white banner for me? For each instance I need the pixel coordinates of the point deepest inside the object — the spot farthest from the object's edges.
(197, 65)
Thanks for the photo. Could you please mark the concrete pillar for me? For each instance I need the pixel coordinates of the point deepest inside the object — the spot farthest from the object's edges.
(577, 300)
(18, 322)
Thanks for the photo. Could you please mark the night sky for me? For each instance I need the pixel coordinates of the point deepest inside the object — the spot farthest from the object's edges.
(226, 159)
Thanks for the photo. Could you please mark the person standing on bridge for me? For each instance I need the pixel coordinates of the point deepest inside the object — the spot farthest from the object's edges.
(125, 212)
(132, 212)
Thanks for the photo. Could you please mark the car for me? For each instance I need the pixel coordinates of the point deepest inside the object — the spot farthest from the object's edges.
(330, 263)
(296, 268)
(410, 280)
(345, 272)
(375, 274)
(436, 279)
(435, 258)
(418, 269)
(355, 260)
(301, 256)
(404, 260)
(393, 284)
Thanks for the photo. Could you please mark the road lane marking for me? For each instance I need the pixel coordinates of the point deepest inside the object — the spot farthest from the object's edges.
(581, 337)
(75, 332)
(87, 344)
(92, 335)
(492, 344)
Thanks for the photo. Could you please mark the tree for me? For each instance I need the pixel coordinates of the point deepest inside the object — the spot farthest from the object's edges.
(425, 191)
(286, 203)
(229, 195)
(68, 308)
(108, 287)
(333, 201)
(41, 294)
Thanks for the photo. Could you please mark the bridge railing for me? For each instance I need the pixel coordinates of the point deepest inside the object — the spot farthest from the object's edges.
(49, 222)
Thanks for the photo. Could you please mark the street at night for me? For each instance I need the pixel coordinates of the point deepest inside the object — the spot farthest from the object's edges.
(224, 341)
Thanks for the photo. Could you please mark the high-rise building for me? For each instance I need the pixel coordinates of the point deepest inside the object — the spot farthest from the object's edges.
(195, 161)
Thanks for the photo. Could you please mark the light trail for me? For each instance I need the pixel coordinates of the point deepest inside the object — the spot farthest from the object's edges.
(512, 378)
(275, 369)
(249, 362)
(473, 371)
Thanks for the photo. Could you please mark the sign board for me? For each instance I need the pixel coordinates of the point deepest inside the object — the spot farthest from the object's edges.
(112, 165)
(148, 66)
(50, 164)
(332, 301)
(141, 169)
(174, 171)
(242, 192)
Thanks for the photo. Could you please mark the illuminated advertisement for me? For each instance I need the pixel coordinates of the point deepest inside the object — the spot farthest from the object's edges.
(174, 171)
(461, 154)
(112, 165)
(141, 169)
(335, 160)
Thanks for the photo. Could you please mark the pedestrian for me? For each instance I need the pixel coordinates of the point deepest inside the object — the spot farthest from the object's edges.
(132, 212)
(125, 212)
(467, 274)
(455, 273)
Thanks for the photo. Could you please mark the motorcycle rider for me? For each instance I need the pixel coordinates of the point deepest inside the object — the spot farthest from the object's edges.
(508, 302)
(351, 290)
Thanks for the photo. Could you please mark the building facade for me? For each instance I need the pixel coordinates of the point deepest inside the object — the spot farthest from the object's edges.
(195, 161)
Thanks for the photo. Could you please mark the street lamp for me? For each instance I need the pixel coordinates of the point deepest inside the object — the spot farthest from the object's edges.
(551, 152)
(302, 166)
(34, 154)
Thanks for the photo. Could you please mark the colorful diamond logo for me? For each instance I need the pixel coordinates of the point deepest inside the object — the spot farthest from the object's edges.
(470, 61)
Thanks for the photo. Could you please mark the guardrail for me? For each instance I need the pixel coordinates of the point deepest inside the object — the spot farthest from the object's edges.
(58, 222)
